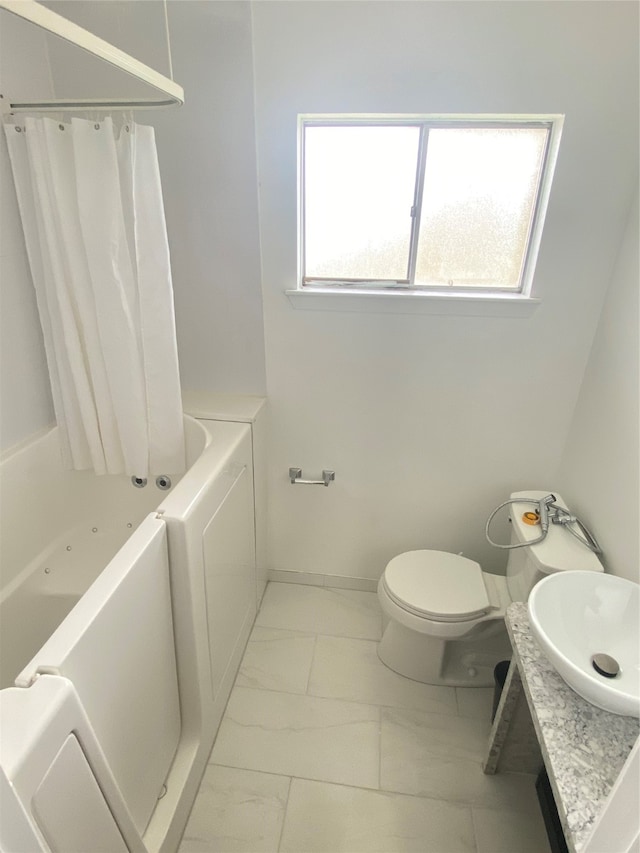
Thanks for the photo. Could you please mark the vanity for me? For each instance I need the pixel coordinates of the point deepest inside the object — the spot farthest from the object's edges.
(540, 719)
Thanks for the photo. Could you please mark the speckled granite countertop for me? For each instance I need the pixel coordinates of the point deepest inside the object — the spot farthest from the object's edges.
(583, 747)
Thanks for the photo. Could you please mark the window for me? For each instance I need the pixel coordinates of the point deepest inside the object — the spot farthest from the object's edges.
(446, 205)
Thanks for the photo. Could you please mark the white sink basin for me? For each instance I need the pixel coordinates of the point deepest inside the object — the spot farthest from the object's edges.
(576, 615)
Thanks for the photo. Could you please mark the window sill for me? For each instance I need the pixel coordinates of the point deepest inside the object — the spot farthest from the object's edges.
(419, 302)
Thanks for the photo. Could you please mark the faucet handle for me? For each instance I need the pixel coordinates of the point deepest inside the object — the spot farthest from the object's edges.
(544, 505)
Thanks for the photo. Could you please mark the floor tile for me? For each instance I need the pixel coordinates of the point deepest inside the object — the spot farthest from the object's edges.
(277, 660)
(431, 755)
(380, 763)
(475, 702)
(448, 736)
(344, 668)
(509, 831)
(324, 818)
(323, 739)
(320, 610)
(237, 811)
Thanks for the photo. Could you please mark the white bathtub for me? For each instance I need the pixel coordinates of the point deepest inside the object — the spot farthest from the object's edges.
(58, 530)
(143, 599)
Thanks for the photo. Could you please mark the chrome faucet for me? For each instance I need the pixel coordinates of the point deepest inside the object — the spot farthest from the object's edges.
(543, 511)
(550, 511)
(547, 511)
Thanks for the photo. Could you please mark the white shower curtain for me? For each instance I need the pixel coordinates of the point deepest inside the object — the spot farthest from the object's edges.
(91, 206)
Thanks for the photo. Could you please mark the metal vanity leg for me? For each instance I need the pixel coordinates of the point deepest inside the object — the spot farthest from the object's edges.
(513, 743)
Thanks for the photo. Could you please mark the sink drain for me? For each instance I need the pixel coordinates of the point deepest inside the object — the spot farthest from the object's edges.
(605, 665)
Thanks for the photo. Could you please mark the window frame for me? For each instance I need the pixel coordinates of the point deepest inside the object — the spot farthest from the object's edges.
(552, 122)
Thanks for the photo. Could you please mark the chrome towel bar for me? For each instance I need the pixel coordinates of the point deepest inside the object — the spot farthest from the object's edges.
(295, 477)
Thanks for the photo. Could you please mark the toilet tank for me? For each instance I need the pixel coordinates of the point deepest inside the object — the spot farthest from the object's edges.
(559, 552)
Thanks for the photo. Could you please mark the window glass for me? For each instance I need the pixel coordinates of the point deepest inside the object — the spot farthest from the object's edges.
(359, 185)
(479, 196)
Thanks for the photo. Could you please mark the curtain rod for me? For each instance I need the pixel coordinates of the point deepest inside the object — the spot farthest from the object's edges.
(33, 12)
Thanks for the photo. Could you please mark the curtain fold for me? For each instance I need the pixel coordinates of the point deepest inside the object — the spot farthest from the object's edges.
(91, 206)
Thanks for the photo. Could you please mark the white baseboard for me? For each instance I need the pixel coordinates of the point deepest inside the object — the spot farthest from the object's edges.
(316, 579)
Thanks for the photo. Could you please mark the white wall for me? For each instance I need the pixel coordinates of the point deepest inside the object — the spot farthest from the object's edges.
(429, 422)
(208, 164)
(25, 397)
(600, 470)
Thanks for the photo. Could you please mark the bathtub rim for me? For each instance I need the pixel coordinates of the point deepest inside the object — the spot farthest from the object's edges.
(7, 455)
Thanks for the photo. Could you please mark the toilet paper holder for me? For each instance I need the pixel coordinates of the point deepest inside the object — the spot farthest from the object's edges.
(295, 478)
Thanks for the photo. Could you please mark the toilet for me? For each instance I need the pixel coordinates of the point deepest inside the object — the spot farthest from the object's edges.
(443, 616)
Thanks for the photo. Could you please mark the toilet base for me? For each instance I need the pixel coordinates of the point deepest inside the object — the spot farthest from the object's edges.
(468, 662)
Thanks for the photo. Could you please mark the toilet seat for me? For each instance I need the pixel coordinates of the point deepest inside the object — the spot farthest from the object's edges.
(437, 585)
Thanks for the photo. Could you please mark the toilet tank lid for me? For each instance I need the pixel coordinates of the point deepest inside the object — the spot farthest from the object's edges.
(559, 551)
(438, 584)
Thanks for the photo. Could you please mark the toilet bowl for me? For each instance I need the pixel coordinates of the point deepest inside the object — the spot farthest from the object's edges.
(443, 619)
(443, 616)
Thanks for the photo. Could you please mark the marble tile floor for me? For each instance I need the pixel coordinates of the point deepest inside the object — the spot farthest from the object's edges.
(322, 749)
